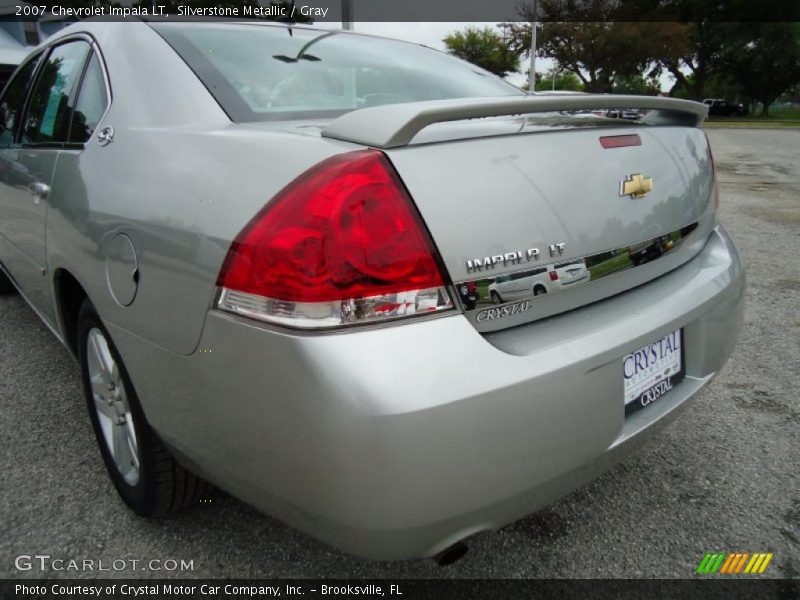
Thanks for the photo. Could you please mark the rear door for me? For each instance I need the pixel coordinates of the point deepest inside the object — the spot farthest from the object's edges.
(28, 164)
(12, 105)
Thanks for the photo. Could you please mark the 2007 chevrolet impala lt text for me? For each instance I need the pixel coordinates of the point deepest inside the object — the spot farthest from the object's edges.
(366, 287)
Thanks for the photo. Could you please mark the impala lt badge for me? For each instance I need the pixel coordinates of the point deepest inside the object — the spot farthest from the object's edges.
(636, 186)
(512, 258)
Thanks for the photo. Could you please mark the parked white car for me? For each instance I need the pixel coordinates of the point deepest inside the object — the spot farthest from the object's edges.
(551, 278)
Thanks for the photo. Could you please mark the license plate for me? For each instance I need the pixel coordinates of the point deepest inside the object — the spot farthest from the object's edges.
(652, 371)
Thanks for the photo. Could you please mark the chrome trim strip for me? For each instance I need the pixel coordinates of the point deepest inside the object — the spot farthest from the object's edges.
(508, 294)
(107, 79)
(319, 316)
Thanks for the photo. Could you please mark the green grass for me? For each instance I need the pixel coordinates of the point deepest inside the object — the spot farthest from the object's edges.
(612, 264)
(745, 123)
(483, 289)
(787, 116)
(785, 112)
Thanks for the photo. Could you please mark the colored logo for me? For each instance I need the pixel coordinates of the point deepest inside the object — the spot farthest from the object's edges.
(735, 563)
(636, 186)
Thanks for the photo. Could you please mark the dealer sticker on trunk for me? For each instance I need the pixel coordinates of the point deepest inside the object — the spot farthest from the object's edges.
(652, 371)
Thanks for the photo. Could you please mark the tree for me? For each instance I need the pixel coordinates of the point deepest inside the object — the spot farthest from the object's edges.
(715, 48)
(690, 52)
(483, 47)
(719, 85)
(603, 40)
(763, 59)
(636, 84)
(564, 80)
(793, 94)
(581, 38)
(692, 37)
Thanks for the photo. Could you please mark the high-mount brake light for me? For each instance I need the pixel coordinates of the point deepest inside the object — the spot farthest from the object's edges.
(620, 141)
(342, 244)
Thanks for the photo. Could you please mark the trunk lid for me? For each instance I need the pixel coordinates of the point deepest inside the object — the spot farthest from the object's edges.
(555, 198)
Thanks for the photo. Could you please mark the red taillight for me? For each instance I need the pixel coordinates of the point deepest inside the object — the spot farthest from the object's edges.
(342, 243)
(553, 276)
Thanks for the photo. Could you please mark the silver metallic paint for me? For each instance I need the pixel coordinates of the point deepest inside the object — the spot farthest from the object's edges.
(525, 194)
(396, 442)
(392, 441)
(179, 179)
(485, 283)
(396, 125)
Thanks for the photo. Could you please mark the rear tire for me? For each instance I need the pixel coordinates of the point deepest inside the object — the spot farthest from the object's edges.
(6, 287)
(496, 299)
(539, 290)
(147, 477)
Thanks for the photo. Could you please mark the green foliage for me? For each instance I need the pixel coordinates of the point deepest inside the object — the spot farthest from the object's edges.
(564, 80)
(580, 37)
(763, 59)
(792, 94)
(612, 44)
(636, 84)
(485, 48)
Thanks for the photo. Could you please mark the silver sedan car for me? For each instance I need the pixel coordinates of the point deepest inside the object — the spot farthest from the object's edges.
(270, 249)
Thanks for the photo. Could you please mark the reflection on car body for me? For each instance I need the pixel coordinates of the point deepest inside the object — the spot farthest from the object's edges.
(539, 281)
(263, 273)
(563, 276)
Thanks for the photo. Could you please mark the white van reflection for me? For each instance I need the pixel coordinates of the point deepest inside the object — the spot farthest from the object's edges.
(549, 279)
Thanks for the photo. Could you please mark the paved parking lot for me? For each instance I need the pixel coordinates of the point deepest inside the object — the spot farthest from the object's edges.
(725, 477)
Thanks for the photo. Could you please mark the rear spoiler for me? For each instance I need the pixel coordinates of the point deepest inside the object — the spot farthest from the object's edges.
(395, 125)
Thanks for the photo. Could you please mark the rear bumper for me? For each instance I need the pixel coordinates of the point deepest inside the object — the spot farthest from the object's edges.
(396, 442)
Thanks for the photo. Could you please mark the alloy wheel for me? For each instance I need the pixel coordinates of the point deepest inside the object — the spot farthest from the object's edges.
(113, 410)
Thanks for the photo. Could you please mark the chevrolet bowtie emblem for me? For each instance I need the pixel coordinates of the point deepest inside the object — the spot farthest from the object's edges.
(635, 186)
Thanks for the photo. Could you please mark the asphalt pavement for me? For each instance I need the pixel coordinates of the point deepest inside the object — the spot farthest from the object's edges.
(723, 477)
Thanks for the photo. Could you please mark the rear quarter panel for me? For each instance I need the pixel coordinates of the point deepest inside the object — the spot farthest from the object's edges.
(179, 179)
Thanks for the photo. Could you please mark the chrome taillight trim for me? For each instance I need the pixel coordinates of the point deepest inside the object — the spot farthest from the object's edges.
(336, 314)
(476, 294)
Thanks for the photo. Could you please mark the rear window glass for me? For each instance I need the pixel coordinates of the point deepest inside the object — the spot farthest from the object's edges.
(259, 72)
